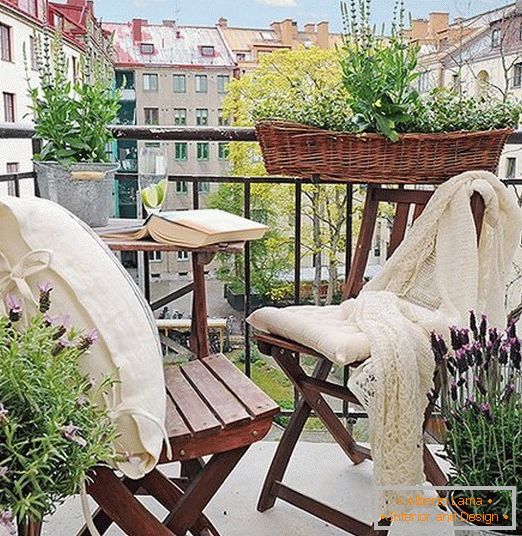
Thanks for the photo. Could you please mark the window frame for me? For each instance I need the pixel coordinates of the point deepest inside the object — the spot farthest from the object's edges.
(511, 167)
(147, 51)
(155, 256)
(151, 76)
(182, 77)
(202, 118)
(182, 256)
(207, 51)
(496, 35)
(11, 97)
(199, 151)
(6, 42)
(181, 187)
(198, 78)
(517, 74)
(181, 145)
(221, 88)
(223, 150)
(183, 116)
(150, 109)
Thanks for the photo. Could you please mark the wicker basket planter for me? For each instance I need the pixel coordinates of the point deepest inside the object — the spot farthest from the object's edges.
(297, 150)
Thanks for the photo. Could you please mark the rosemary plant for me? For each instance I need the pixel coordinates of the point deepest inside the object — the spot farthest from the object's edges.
(482, 408)
(52, 432)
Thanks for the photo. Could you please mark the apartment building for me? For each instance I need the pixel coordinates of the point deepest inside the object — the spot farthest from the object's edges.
(248, 45)
(21, 23)
(477, 55)
(172, 75)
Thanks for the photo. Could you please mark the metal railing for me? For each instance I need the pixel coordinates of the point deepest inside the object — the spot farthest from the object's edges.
(222, 134)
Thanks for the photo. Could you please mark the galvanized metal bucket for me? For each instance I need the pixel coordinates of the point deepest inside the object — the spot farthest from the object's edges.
(86, 189)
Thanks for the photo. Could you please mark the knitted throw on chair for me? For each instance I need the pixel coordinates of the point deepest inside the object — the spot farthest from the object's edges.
(431, 282)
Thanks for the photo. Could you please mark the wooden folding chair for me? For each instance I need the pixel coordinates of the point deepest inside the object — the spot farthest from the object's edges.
(213, 409)
(313, 387)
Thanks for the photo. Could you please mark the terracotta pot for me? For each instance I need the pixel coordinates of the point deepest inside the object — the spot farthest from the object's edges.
(30, 528)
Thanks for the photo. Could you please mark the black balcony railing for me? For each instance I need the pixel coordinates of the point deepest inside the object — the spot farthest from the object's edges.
(221, 134)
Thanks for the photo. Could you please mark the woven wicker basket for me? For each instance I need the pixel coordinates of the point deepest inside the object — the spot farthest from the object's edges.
(297, 150)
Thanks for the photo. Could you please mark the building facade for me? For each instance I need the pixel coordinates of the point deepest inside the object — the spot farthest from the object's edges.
(22, 23)
(171, 75)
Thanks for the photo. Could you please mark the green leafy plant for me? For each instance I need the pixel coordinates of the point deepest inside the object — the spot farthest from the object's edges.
(482, 407)
(52, 431)
(72, 117)
(378, 73)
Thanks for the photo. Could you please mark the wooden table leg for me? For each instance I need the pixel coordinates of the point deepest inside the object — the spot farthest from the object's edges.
(199, 340)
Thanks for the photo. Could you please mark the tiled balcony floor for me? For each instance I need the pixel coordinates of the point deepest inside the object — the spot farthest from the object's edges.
(319, 469)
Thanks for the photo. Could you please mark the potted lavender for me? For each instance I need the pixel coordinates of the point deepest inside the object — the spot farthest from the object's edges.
(52, 432)
(482, 407)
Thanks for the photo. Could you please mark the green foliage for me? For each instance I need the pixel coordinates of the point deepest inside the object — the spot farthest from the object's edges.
(52, 433)
(482, 405)
(71, 118)
(378, 73)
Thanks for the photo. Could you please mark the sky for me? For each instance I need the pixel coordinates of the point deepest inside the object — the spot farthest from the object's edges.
(260, 13)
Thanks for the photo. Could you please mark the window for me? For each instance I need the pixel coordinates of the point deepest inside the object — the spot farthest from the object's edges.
(455, 81)
(223, 151)
(424, 81)
(520, 32)
(222, 122)
(222, 81)
(183, 256)
(147, 48)
(203, 151)
(517, 75)
(74, 61)
(58, 22)
(155, 256)
(180, 150)
(180, 116)
(201, 83)
(6, 48)
(150, 82)
(152, 144)
(207, 51)
(203, 187)
(201, 117)
(9, 108)
(181, 187)
(511, 167)
(241, 56)
(32, 52)
(180, 83)
(151, 116)
(29, 6)
(12, 167)
(495, 37)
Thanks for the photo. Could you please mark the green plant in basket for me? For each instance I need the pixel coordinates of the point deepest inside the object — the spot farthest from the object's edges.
(52, 430)
(378, 72)
(482, 407)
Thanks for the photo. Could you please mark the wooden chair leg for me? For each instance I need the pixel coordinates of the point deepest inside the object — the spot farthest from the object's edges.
(122, 507)
(288, 443)
(168, 495)
(101, 520)
(318, 403)
(201, 490)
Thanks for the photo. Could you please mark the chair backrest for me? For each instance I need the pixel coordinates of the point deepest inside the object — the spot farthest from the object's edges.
(405, 201)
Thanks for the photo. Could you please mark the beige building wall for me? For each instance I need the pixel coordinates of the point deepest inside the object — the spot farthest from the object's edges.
(171, 266)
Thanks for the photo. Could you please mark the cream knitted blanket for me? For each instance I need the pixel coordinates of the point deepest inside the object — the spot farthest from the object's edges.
(431, 282)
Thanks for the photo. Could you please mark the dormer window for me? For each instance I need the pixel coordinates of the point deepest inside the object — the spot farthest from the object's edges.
(147, 48)
(207, 51)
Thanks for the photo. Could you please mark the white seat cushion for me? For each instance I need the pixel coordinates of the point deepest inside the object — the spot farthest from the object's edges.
(323, 329)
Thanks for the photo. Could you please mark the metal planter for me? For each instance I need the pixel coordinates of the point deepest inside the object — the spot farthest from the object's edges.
(86, 189)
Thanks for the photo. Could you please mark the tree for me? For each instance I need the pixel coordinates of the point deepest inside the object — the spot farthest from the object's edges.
(303, 85)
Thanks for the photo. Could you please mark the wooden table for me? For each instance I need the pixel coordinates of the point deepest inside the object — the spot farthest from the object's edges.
(199, 341)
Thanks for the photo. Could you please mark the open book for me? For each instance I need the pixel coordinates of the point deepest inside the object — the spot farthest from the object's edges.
(194, 228)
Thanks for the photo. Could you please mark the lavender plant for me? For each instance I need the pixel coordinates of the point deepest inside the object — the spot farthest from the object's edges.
(482, 406)
(52, 432)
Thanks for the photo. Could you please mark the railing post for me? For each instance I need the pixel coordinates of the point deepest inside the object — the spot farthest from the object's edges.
(347, 267)
(248, 282)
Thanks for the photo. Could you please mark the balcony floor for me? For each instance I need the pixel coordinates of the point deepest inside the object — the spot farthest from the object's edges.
(319, 469)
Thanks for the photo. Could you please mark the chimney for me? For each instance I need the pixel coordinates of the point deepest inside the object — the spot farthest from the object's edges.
(419, 28)
(310, 28)
(169, 23)
(223, 22)
(323, 34)
(137, 25)
(437, 23)
(76, 3)
(286, 29)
